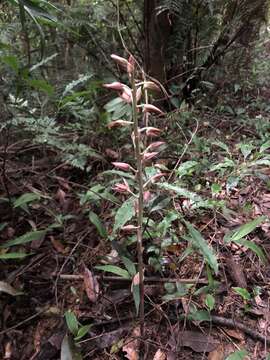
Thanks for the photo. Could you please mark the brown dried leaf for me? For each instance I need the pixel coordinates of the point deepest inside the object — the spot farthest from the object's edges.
(236, 272)
(195, 340)
(132, 346)
(91, 285)
(217, 354)
(59, 247)
(8, 350)
(159, 355)
(236, 334)
(8, 289)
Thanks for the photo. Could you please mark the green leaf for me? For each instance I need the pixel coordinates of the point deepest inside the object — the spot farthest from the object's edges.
(72, 322)
(14, 255)
(129, 265)
(28, 237)
(124, 214)
(215, 188)
(210, 302)
(186, 168)
(242, 292)
(180, 191)
(68, 350)
(3, 225)
(253, 247)
(25, 199)
(95, 220)
(83, 330)
(265, 146)
(201, 244)
(136, 297)
(42, 85)
(12, 62)
(222, 146)
(243, 230)
(237, 355)
(199, 315)
(115, 270)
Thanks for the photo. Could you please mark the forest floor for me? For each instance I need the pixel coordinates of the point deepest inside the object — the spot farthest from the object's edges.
(214, 317)
(57, 275)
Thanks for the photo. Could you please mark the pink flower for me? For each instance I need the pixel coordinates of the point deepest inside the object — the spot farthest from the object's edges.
(126, 94)
(120, 60)
(122, 166)
(146, 196)
(152, 131)
(155, 145)
(131, 64)
(157, 177)
(114, 86)
(150, 155)
(121, 188)
(129, 228)
(152, 109)
(139, 94)
(150, 85)
(118, 123)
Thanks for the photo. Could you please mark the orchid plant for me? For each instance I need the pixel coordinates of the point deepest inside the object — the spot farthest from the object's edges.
(145, 150)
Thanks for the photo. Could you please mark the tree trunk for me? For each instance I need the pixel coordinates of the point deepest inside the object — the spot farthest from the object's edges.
(157, 29)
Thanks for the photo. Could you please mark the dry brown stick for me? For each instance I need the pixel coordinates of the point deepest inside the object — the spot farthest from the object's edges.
(146, 279)
(231, 323)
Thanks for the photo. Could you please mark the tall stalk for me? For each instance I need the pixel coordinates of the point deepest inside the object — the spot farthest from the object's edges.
(139, 177)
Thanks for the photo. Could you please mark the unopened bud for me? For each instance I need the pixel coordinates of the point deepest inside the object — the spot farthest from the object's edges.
(155, 145)
(149, 155)
(152, 131)
(139, 94)
(157, 177)
(120, 60)
(118, 123)
(150, 85)
(129, 228)
(114, 86)
(121, 188)
(146, 196)
(126, 94)
(152, 109)
(131, 64)
(122, 166)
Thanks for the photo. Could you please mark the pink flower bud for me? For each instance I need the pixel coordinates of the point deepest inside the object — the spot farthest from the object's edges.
(155, 145)
(121, 188)
(118, 123)
(151, 131)
(120, 60)
(152, 109)
(129, 228)
(146, 196)
(122, 166)
(150, 85)
(157, 177)
(136, 206)
(150, 155)
(139, 94)
(126, 94)
(131, 64)
(114, 86)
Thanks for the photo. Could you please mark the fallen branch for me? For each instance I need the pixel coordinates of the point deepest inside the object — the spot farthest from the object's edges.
(121, 279)
(231, 323)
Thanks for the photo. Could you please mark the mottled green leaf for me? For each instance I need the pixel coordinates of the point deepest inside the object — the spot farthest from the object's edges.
(115, 270)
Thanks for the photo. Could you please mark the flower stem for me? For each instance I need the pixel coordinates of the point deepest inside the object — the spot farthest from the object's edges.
(140, 200)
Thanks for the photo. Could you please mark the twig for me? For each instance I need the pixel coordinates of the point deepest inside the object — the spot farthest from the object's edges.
(150, 279)
(218, 320)
(23, 321)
